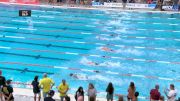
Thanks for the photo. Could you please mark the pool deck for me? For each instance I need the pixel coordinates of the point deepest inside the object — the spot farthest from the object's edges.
(21, 94)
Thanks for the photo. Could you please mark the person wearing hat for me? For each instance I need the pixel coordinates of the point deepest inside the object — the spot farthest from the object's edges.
(50, 95)
(8, 91)
(2, 82)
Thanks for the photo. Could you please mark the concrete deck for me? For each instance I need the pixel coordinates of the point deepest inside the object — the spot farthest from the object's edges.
(21, 94)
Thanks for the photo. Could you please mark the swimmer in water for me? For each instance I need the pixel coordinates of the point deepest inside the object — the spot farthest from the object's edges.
(78, 76)
(106, 49)
(96, 71)
(93, 63)
(24, 70)
(73, 75)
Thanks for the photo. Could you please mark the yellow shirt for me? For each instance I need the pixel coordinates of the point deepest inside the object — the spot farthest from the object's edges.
(63, 88)
(46, 84)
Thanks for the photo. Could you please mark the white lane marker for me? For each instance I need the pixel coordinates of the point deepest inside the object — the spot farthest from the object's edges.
(100, 44)
(39, 22)
(176, 31)
(17, 37)
(46, 16)
(122, 46)
(87, 70)
(142, 76)
(139, 47)
(171, 18)
(174, 24)
(5, 47)
(141, 29)
(61, 67)
(95, 55)
(71, 53)
(78, 42)
(159, 30)
(160, 38)
(115, 57)
(160, 48)
(139, 60)
(90, 26)
(86, 33)
(27, 28)
(163, 62)
(162, 78)
(8, 27)
(109, 72)
(157, 23)
(19, 21)
(34, 16)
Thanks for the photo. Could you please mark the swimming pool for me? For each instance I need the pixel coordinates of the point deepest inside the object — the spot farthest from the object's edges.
(123, 46)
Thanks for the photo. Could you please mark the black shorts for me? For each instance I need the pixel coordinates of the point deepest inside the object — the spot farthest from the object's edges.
(36, 91)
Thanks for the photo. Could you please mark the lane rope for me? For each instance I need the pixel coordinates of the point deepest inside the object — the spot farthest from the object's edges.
(94, 71)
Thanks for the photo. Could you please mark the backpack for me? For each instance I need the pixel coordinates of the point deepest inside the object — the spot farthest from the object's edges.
(67, 98)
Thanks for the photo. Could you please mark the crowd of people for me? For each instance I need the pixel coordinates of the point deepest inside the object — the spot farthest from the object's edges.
(46, 84)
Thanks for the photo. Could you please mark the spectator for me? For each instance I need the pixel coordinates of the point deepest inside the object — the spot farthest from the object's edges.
(2, 82)
(124, 3)
(131, 91)
(120, 98)
(36, 89)
(155, 94)
(50, 95)
(110, 92)
(8, 91)
(171, 94)
(135, 96)
(79, 94)
(179, 5)
(80, 98)
(131, 1)
(63, 89)
(91, 92)
(46, 83)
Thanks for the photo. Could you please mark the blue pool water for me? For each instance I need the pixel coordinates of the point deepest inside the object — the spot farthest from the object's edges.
(62, 41)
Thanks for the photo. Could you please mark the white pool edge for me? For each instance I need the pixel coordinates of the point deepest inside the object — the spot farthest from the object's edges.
(28, 93)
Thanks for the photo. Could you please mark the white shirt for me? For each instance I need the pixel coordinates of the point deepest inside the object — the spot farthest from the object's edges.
(172, 94)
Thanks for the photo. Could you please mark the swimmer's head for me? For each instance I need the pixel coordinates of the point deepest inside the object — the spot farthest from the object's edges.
(96, 71)
(96, 63)
(71, 74)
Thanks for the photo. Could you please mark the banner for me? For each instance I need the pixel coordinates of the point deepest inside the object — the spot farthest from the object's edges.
(130, 5)
(22, 1)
